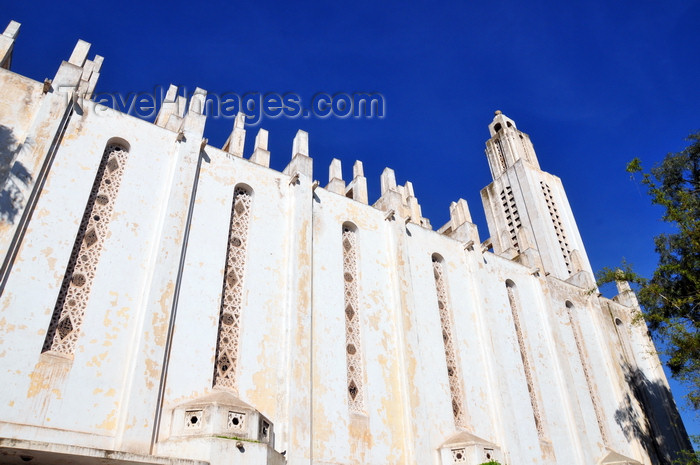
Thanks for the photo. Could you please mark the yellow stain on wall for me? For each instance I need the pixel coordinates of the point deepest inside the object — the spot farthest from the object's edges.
(151, 374)
(38, 382)
(97, 360)
(159, 321)
(110, 423)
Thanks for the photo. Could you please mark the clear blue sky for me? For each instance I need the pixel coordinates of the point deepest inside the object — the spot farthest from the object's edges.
(595, 83)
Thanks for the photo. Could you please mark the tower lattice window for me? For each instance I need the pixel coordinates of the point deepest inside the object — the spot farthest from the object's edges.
(352, 321)
(80, 273)
(499, 152)
(512, 216)
(529, 377)
(453, 370)
(230, 313)
(526, 148)
(558, 226)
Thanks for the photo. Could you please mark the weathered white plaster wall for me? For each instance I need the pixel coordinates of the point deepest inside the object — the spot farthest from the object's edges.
(147, 344)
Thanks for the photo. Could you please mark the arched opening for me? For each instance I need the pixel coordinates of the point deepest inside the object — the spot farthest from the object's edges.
(349, 227)
(514, 303)
(497, 127)
(74, 294)
(243, 188)
(353, 340)
(453, 369)
(122, 143)
(587, 372)
(226, 358)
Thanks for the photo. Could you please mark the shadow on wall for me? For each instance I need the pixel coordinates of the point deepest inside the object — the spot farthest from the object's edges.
(12, 176)
(661, 433)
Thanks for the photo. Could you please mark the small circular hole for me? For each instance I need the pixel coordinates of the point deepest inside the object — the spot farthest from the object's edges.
(78, 279)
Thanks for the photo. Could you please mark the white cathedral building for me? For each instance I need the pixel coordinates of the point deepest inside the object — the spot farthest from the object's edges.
(163, 301)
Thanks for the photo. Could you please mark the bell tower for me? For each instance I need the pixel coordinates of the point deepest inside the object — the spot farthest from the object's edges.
(527, 211)
(507, 145)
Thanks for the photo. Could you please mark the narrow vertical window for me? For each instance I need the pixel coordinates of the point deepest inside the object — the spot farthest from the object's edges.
(512, 216)
(225, 373)
(453, 370)
(73, 297)
(352, 321)
(558, 226)
(499, 151)
(512, 298)
(578, 339)
(526, 148)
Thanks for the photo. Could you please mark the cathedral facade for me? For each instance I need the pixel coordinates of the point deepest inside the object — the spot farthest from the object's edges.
(166, 301)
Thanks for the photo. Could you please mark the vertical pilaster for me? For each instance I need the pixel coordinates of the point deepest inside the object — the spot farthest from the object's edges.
(7, 44)
(357, 189)
(142, 406)
(261, 155)
(22, 184)
(299, 396)
(407, 341)
(236, 140)
(335, 178)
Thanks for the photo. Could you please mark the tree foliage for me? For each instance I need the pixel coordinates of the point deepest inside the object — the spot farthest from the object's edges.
(687, 457)
(670, 299)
